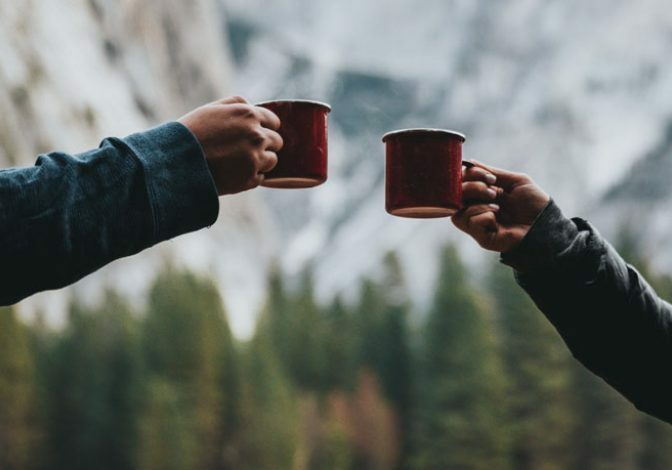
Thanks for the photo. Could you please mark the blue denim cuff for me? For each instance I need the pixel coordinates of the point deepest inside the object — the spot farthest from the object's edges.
(181, 191)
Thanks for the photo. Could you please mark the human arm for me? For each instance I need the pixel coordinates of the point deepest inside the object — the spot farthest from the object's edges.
(69, 215)
(610, 318)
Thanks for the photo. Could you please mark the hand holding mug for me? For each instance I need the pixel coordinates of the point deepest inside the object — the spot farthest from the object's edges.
(499, 206)
(239, 141)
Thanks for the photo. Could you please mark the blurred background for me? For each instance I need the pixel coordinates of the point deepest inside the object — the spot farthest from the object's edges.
(308, 329)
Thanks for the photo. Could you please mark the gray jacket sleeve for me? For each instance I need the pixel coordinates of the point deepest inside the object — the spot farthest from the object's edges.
(610, 318)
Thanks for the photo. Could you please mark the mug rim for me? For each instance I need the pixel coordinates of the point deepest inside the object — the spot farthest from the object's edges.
(423, 130)
(300, 101)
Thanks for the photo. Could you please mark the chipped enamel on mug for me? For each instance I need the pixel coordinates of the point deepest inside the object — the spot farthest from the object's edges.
(423, 172)
(302, 161)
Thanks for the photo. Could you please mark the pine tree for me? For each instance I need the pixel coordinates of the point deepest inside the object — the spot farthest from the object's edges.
(306, 333)
(337, 454)
(278, 316)
(21, 436)
(540, 381)
(94, 388)
(268, 408)
(655, 451)
(396, 361)
(188, 345)
(339, 348)
(375, 431)
(607, 436)
(295, 327)
(368, 322)
(165, 438)
(383, 335)
(461, 419)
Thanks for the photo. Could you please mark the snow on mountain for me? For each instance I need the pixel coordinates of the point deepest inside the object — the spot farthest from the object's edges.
(73, 72)
(639, 206)
(574, 93)
(570, 92)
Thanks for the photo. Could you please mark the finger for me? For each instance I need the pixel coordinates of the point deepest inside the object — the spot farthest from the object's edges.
(232, 100)
(483, 223)
(462, 218)
(505, 178)
(274, 141)
(255, 181)
(478, 174)
(267, 161)
(478, 191)
(459, 220)
(477, 209)
(268, 118)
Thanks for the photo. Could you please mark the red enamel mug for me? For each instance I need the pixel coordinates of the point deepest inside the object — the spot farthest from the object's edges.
(423, 172)
(302, 161)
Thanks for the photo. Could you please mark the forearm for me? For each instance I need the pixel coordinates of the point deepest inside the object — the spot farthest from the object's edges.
(69, 215)
(610, 318)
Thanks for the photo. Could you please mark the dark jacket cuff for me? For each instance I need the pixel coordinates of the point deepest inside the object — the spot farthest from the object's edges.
(550, 235)
(182, 193)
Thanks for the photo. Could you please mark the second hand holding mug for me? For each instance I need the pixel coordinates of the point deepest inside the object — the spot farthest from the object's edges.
(423, 172)
(302, 161)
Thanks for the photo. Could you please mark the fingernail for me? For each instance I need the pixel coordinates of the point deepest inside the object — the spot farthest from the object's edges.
(490, 178)
(494, 206)
(492, 193)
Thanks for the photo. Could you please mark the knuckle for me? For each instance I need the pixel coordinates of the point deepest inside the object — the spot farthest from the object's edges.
(255, 134)
(476, 186)
(460, 220)
(485, 217)
(248, 164)
(472, 211)
(253, 164)
(250, 113)
(237, 108)
(244, 110)
(476, 172)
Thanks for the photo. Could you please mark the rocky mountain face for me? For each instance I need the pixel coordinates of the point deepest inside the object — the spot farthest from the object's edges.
(74, 72)
(638, 207)
(575, 93)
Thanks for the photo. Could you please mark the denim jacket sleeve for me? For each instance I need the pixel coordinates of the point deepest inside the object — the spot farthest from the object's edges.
(67, 216)
(610, 318)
